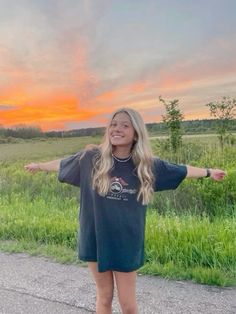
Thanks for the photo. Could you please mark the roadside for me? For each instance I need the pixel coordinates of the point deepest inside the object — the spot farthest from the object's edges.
(35, 285)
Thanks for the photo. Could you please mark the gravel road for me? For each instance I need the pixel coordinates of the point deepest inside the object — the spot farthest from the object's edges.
(35, 285)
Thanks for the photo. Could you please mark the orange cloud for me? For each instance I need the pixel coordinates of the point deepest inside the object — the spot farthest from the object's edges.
(189, 74)
(50, 91)
(50, 103)
(171, 83)
(107, 96)
(124, 92)
(60, 107)
(139, 87)
(197, 115)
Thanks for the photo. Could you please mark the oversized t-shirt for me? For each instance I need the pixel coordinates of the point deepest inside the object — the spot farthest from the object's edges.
(112, 227)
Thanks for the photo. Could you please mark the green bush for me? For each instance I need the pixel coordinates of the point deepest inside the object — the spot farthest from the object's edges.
(202, 196)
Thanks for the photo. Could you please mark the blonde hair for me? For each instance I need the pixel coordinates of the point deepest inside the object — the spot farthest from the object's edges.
(141, 154)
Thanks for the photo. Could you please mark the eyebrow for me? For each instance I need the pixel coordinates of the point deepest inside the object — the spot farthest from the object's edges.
(122, 121)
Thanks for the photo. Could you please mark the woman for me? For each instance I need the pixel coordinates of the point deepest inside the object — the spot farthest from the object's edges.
(117, 180)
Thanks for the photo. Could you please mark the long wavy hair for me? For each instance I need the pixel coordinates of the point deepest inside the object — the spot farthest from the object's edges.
(141, 153)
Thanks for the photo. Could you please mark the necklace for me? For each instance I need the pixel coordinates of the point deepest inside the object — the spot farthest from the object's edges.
(122, 159)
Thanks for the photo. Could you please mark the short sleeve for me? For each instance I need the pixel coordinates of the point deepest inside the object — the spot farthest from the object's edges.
(69, 170)
(168, 176)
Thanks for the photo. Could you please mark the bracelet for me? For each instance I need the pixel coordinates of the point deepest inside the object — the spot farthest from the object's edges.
(208, 173)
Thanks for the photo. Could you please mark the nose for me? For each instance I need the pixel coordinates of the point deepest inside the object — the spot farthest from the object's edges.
(117, 128)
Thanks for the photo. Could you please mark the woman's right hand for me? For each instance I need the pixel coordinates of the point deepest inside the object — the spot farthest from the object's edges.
(32, 168)
(52, 165)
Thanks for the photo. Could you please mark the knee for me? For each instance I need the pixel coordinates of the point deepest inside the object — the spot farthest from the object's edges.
(105, 299)
(129, 308)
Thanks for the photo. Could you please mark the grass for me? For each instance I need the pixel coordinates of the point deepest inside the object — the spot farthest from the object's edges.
(191, 247)
(41, 149)
(59, 253)
(190, 232)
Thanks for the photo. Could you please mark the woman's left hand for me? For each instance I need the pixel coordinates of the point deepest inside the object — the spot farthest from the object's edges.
(217, 174)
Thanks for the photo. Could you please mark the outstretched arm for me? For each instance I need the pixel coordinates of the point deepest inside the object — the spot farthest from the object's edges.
(215, 174)
(44, 166)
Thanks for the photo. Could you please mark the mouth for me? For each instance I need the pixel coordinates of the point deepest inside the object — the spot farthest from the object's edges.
(116, 136)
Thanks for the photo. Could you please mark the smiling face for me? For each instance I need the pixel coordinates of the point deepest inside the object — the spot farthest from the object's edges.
(121, 132)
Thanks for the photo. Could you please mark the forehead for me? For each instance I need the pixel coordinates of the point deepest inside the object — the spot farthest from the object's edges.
(121, 117)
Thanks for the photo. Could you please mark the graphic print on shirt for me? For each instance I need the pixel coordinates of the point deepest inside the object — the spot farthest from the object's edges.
(119, 189)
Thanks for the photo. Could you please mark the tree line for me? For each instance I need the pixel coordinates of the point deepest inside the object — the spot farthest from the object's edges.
(223, 123)
(154, 129)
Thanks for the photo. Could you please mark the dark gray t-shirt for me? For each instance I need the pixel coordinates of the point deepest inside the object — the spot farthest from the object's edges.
(112, 227)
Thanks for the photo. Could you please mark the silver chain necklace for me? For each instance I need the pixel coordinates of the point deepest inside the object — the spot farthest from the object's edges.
(122, 160)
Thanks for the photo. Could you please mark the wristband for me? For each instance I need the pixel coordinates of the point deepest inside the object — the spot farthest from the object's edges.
(208, 173)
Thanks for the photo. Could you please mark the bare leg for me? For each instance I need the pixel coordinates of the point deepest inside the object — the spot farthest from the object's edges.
(126, 287)
(105, 287)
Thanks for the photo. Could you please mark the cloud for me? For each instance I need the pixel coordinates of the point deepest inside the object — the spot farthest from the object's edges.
(77, 61)
(7, 107)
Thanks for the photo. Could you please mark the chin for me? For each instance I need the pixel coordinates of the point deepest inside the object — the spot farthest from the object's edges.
(116, 142)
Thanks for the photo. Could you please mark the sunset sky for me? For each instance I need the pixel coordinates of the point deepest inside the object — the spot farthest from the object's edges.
(68, 64)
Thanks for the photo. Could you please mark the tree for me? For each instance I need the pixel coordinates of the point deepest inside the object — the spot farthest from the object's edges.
(173, 119)
(224, 111)
(25, 132)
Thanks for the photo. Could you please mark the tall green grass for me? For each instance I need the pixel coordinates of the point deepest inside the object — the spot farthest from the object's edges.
(201, 196)
(191, 247)
(190, 232)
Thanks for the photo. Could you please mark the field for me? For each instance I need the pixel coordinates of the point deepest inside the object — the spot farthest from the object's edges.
(190, 232)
